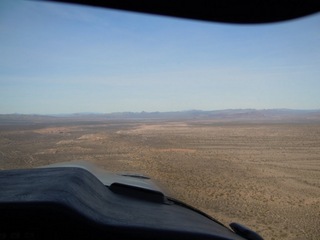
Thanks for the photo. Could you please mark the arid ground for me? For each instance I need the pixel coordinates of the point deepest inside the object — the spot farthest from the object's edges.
(265, 176)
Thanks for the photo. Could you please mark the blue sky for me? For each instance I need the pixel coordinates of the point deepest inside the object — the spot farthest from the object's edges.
(65, 59)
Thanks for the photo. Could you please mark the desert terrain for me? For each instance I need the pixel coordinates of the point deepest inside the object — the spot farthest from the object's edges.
(263, 175)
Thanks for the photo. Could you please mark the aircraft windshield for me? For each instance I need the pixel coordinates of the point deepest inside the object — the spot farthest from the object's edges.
(226, 117)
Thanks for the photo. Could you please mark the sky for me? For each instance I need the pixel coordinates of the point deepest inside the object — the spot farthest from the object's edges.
(59, 58)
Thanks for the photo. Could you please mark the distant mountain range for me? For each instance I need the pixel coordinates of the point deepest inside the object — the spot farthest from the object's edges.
(228, 115)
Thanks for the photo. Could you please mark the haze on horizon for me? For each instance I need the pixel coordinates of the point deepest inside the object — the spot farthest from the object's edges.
(58, 58)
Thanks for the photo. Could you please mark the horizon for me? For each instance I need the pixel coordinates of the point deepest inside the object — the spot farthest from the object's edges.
(163, 112)
(64, 59)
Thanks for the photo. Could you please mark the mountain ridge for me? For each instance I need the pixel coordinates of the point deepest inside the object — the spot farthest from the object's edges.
(229, 115)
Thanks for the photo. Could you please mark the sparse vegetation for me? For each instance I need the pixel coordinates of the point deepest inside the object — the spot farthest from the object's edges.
(266, 176)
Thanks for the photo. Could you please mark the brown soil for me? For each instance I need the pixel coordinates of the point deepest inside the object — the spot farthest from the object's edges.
(265, 176)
